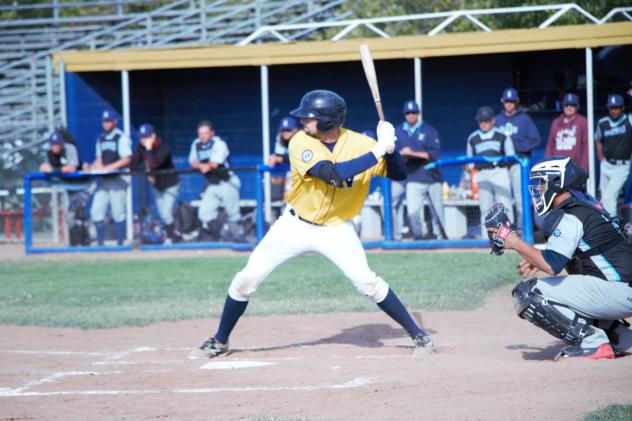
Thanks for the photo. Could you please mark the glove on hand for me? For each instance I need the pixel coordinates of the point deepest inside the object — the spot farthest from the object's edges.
(385, 139)
(498, 228)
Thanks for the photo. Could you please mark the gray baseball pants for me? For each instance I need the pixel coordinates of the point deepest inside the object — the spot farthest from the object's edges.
(110, 191)
(594, 299)
(613, 178)
(415, 201)
(225, 194)
(165, 199)
(493, 186)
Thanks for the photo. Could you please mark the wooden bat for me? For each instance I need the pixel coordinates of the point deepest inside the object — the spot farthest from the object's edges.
(371, 77)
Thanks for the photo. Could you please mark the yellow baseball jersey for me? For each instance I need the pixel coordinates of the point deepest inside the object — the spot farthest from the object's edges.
(313, 199)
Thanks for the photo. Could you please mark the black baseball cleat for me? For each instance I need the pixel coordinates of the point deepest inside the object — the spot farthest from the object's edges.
(423, 345)
(214, 348)
(603, 351)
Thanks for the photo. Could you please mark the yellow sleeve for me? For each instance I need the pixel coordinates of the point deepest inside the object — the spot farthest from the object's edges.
(304, 153)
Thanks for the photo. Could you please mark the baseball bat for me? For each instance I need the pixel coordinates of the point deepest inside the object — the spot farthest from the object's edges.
(371, 77)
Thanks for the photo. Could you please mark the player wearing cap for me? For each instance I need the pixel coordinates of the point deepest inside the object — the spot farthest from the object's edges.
(113, 153)
(60, 156)
(153, 154)
(493, 180)
(613, 139)
(569, 133)
(288, 127)
(584, 308)
(516, 123)
(418, 143)
(331, 171)
(209, 154)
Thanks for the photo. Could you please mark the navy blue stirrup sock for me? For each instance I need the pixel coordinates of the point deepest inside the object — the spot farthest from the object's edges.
(121, 232)
(396, 310)
(233, 310)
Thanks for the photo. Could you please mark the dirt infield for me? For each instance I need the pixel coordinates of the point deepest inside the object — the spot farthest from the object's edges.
(489, 365)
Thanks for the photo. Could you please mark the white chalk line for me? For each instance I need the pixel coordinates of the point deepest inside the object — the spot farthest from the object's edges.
(352, 384)
(53, 378)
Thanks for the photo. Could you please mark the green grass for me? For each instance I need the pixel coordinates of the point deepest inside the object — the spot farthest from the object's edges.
(611, 413)
(105, 293)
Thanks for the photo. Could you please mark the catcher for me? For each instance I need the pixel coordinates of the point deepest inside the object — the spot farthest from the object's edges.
(585, 308)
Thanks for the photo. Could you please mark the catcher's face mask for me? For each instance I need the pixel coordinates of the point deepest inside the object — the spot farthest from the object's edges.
(542, 192)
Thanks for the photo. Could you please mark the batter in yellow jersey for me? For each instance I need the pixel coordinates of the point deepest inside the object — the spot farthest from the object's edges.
(314, 199)
(331, 168)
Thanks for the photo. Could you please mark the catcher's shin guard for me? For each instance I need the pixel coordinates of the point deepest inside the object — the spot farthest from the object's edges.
(530, 305)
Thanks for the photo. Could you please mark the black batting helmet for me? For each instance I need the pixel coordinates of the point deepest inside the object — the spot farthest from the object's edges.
(327, 107)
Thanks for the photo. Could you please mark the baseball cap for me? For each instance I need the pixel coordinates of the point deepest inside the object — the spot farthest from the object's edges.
(108, 115)
(287, 123)
(370, 133)
(615, 101)
(410, 106)
(510, 94)
(56, 139)
(571, 99)
(146, 130)
(484, 113)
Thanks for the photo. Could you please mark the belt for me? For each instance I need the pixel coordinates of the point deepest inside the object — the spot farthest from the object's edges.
(296, 215)
(618, 161)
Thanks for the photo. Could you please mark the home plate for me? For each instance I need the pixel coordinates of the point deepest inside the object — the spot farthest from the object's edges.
(227, 365)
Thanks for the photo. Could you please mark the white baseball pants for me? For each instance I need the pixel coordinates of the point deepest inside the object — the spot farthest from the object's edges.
(289, 237)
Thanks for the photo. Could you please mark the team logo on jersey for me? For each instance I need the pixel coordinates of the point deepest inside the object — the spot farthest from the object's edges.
(557, 233)
(307, 155)
(421, 137)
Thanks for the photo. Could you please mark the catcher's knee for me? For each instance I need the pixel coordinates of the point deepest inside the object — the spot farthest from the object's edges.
(532, 306)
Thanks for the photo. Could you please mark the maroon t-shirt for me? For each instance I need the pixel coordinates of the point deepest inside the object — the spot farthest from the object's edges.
(569, 139)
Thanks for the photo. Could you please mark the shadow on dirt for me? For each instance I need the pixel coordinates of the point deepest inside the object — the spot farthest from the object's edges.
(538, 353)
(367, 336)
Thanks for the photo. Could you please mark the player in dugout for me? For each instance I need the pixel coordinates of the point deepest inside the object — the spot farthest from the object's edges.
(331, 169)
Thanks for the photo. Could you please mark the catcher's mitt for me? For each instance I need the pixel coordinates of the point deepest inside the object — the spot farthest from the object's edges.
(498, 227)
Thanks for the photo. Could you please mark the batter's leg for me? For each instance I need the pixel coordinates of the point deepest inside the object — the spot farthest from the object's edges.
(341, 245)
(287, 238)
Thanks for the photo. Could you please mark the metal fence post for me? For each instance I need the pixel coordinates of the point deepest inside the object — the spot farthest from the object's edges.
(527, 219)
(28, 234)
(49, 94)
(388, 209)
(62, 94)
(259, 196)
(34, 96)
(203, 20)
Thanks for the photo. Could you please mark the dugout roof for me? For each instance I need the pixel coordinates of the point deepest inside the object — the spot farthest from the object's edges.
(453, 44)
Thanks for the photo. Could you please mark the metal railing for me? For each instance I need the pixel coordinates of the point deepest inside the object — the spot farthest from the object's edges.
(29, 95)
(278, 32)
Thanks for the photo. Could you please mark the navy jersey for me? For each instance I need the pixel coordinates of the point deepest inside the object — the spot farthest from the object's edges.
(490, 144)
(615, 136)
(523, 132)
(158, 158)
(421, 137)
(588, 239)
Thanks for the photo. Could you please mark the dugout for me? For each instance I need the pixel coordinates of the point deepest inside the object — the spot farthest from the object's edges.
(245, 90)
(242, 88)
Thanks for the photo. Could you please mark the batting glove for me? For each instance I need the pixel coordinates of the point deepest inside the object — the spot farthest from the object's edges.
(385, 139)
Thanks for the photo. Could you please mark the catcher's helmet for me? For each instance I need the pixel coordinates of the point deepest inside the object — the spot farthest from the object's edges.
(552, 176)
(327, 107)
